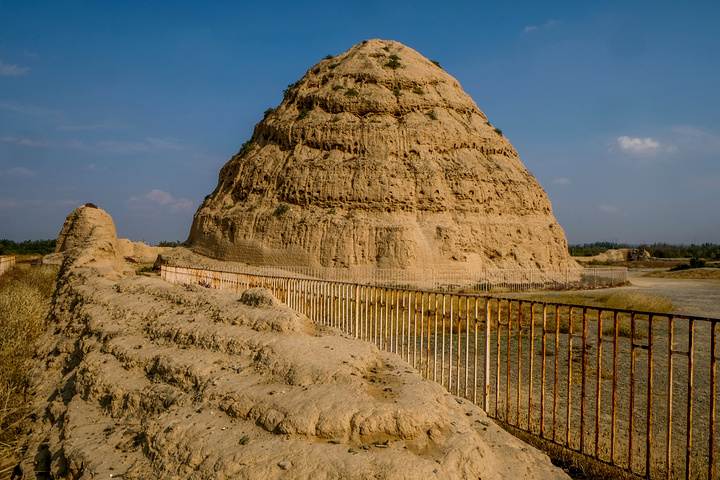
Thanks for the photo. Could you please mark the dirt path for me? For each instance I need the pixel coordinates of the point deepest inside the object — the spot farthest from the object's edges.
(690, 296)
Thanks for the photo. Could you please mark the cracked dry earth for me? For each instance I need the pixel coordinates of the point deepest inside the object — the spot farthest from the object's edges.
(142, 379)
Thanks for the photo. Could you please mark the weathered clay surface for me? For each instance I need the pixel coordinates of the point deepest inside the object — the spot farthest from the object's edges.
(89, 224)
(138, 378)
(366, 164)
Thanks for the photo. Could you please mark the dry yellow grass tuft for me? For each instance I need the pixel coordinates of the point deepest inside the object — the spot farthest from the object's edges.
(634, 300)
(620, 300)
(706, 273)
(24, 299)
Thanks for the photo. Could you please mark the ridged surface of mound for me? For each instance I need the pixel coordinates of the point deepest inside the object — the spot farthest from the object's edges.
(90, 225)
(87, 225)
(378, 157)
(138, 378)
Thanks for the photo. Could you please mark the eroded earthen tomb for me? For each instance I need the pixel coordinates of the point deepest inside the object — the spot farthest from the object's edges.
(377, 157)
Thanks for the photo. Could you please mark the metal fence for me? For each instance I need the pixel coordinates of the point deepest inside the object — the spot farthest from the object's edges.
(448, 279)
(635, 390)
(6, 263)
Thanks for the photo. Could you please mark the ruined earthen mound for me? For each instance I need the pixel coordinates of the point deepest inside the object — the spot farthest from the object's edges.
(90, 226)
(88, 237)
(137, 378)
(87, 224)
(377, 157)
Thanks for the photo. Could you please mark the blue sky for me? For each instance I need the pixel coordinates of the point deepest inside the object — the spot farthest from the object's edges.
(135, 106)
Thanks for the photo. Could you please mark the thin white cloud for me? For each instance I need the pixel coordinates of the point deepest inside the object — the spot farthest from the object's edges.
(9, 204)
(146, 145)
(157, 201)
(58, 120)
(159, 196)
(30, 110)
(25, 142)
(681, 143)
(8, 70)
(29, 142)
(68, 202)
(607, 208)
(96, 126)
(184, 205)
(17, 172)
(93, 167)
(561, 181)
(113, 146)
(638, 146)
(697, 140)
(166, 144)
(76, 144)
(531, 28)
(105, 146)
(710, 183)
(38, 203)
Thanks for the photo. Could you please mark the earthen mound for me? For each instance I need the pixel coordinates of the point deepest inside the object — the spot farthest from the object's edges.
(86, 225)
(138, 378)
(378, 157)
(88, 238)
(91, 229)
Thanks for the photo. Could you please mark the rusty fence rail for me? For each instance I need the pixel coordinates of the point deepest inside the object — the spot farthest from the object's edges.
(448, 279)
(6, 263)
(635, 390)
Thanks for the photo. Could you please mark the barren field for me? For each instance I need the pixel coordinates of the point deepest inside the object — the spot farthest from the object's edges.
(690, 296)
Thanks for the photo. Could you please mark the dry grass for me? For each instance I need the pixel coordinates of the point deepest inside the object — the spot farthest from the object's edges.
(621, 300)
(24, 299)
(706, 273)
(634, 300)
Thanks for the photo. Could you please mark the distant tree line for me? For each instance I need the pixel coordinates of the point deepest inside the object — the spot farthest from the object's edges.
(176, 243)
(709, 251)
(28, 247)
(43, 247)
(590, 249)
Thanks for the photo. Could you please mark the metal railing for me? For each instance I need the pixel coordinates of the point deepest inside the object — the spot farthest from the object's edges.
(448, 279)
(6, 263)
(635, 390)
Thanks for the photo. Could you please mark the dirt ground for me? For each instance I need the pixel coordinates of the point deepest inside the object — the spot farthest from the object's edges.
(690, 296)
(697, 297)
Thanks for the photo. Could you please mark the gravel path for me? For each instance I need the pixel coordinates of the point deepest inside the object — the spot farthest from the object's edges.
(691, 296)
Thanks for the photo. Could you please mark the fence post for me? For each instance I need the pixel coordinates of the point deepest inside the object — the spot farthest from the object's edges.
(486, 357)
(357, 311)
